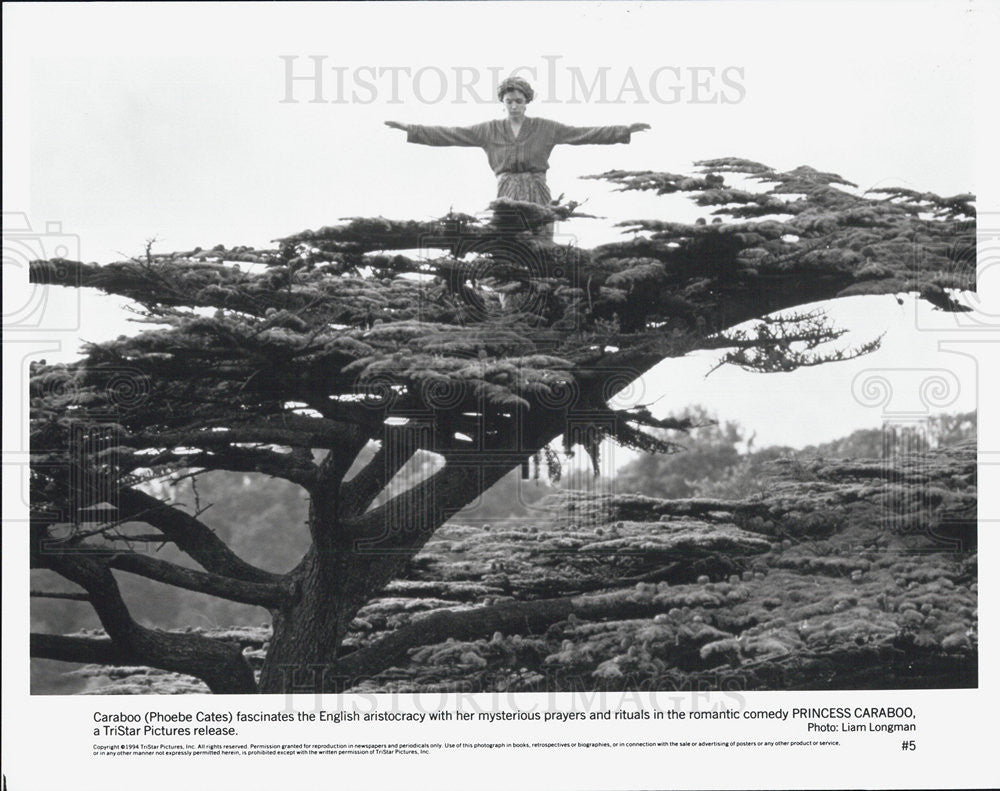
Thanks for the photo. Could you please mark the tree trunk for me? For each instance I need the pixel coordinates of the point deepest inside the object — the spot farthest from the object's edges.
(335, 579)
(307, 633)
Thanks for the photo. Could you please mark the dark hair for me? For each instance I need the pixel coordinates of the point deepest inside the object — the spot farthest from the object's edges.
(515, 84)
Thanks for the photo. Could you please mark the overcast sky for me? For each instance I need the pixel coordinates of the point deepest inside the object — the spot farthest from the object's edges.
(178, 122)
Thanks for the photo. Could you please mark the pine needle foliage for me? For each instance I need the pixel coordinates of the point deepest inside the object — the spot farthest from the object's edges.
(475, 338)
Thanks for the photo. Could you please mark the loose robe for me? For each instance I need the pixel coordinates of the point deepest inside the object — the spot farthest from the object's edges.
(520, 161)
(526, 153)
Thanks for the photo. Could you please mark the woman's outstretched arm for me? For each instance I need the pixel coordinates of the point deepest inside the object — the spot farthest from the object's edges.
(596, 135)
(442, 135)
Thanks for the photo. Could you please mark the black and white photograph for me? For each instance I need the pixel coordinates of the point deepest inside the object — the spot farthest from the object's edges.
(555, 384)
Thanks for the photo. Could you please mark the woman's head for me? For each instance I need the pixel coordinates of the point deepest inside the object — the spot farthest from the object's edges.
(515, 93)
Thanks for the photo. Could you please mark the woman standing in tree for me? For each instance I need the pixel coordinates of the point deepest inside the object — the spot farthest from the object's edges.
(518, 147)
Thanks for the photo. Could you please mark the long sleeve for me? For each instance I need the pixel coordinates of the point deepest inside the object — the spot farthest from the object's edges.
(448, 135)
(526, 152)
(591, 135)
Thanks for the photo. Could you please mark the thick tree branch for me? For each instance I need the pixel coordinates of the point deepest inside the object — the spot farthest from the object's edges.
(339, 459)
(640, 507)
(296, 467)
(346, 411)
(219, 664)
(86, 650)
(392, 455)
(190, 535)
(406, 521)
(263, 594)
(138, 281)
(94, 577)
(288, 430)
(531, 617)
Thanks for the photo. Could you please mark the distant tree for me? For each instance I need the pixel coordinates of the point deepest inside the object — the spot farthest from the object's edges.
(710, 451)
(876, 443)
(950, 430)
(510, 498)
(291, 361)
(752, 470)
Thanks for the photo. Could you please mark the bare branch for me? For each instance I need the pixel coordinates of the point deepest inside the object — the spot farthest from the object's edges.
(262, 594)
(219, 664)
(340, 458)
(60, 595)
(146, 538)
(359, 492)
(190, 535)
(429, 504)
(88, 650)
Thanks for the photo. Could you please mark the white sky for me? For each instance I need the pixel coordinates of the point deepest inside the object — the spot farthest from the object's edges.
(128, 122)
